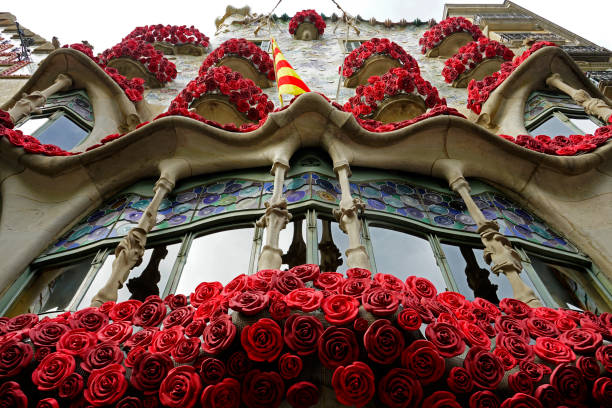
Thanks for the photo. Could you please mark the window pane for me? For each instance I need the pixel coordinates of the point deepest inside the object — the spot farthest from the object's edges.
(32, 125)
(220, 256)
(148, 278)
(552, 127)
(584, 124)
(567, 285)
(332, 248)
(404, 255)
(63, 133)
(474, 277)
(52, 288)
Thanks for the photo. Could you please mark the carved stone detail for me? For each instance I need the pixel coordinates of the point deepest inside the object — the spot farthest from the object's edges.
(134, 69)
(498, 251)
(348, 219)
(306, 32)
(375, 65)
(400, 107)
(130, 250)
(450, 45)
(246, 69)
(592, 106)
(483, 69)
(32, 103)
(219, 109)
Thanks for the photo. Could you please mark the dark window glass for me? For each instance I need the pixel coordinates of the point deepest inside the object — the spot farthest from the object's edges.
(403, 255)
(333, 243)
(62, 132)
(553, 126)
(52, 289)
(220, 256)
(148, 278)
(567, 285)
(474, 277)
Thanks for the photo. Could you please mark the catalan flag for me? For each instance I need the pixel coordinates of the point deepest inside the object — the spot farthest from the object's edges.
(287, 80)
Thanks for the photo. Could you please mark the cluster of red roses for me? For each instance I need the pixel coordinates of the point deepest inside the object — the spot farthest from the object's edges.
(241, 92)
(143, 52)
(562, 145)
(436, 34)
(396, 81)
(479, 91)
(355, 60)
(246, 127)
(472, 54)
(169, 33)
(289, 332)
(307, 15)
(29, 143)
(133, 88)
(380, 127)
(240, 47)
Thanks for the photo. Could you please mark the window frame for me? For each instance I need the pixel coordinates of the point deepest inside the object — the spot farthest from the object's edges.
(344, 41)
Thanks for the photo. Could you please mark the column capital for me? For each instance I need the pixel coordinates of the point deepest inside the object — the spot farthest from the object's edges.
(342, 164)
(279, 163)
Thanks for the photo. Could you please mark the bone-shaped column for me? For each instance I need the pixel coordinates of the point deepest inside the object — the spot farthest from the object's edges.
(32, 103)
(592, 106)
(498, 251)
(274, 220)
(348, 219)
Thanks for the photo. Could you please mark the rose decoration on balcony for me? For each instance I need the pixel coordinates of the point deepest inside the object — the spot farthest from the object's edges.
(445, 28)
(479, 91)
(475, 60)
(133, 88)
(242, 93)
(307, 16)
(397, 82)
(170, 34)
(246, 50)
(153, 61)
(262, 359)
(377, 47)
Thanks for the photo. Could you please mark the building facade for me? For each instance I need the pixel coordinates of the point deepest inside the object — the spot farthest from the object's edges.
(476, 158)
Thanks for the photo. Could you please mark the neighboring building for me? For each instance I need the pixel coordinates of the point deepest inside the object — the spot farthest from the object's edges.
(426, 199)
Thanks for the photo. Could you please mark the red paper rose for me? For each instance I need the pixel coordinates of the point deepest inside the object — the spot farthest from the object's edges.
(584, 341)
(47, 403)
(14, 357)
(225, 394)
(289, 366)
(337, 347)
(238, 364)
(306, 272)
(486, 369)
(569, 382)
(163, 341)
(459, 380)
(124, 311)
(447, 339)
(218, 335)
(380, 302)
(399, 388)
(142, 338)
(409, 319)
(150, 313)
(106, 385)
(262, 389)
(181, 316)
(12, 396)
(262, 340)
(340, 309)
(553, 350)
(548, 396)
(186, 350)
(102, 355)
(304, 299)
(302, 394)
(301, 333)
(116, 332)
(441, 399)
(70, 386)
(212, 370)
(149, 371)
(602, 391)
(383, 342)
(47, 333)
(205, 291)
(249, 302)
(423, 358)
(354, 384)
(181, 388)
(52, 370)
(329, 281)
(484, 399)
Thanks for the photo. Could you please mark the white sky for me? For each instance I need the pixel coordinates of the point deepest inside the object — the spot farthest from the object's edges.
(104, 23)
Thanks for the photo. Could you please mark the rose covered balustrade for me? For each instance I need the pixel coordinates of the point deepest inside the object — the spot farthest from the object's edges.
(445, 38)
(307, 25)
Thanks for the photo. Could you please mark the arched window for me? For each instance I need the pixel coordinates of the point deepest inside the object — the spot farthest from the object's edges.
(206, 231)
(65, 121)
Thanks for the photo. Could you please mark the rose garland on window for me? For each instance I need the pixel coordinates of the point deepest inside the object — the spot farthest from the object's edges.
(479, 91)
(29, 143)
(436, 34)
(133, 88)
(377, 46)
(242, 92)
(396, 81)
(169, 33)
(366, 332)
(244, 49)
(472, 54)
(143, 52)
(307, 15)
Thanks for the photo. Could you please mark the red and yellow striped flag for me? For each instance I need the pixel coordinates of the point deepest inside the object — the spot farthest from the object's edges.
(287, 80)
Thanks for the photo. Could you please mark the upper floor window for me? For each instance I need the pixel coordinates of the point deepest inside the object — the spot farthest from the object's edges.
(65, 121)
(265, 45)
(554, 114)
(350, 45)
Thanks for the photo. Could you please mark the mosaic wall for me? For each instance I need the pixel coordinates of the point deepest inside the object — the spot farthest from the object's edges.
(442, 210)
(316, 62)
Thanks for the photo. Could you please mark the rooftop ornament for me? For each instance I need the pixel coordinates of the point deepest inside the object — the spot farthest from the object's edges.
(305, 336)
(445, 38)
(375, 57)
(307, 25)
(245, 57)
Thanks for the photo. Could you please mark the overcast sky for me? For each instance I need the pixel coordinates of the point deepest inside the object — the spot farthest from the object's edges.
(104, 23)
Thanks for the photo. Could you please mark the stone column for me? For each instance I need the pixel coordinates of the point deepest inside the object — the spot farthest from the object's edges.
(32, 103)
(274, 220)
(130, 250)
(592, 106)
(347, 216)
(498, 251)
